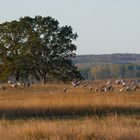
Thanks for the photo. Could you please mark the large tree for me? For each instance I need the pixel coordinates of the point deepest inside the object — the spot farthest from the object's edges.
(39, 47)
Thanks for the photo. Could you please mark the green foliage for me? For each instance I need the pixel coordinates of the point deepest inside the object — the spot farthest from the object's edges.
(39, 47)
(111, 71)
(85, 72)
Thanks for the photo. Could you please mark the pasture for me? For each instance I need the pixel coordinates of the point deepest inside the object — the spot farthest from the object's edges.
(47, 113)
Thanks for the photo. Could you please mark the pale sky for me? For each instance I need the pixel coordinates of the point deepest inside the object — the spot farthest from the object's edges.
(103, 26)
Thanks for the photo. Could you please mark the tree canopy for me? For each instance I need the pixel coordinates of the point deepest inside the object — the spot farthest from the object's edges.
(37, 47)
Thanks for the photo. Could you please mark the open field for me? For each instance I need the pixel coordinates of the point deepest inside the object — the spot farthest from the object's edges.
(93, 128)
(45, 112)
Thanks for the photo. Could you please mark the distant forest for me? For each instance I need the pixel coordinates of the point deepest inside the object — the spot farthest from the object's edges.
(108, 66)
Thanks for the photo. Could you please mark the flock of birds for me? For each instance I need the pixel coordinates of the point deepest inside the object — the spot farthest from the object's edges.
(124, 86)
(16, 84)
(109, 85)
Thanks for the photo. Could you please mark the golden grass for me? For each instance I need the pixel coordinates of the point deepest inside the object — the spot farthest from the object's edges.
(45, 112)
(93, 128)
(50, 101)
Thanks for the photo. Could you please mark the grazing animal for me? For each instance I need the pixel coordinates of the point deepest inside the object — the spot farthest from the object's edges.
(28, 84)
(65, 89)
(108, 82)
(96, 89)
(123, 83)
(10, 82)
(86, 83)
(16, 84)
(135, 87)
(103, 88)
(128, 89)
(90, 88)
(122, 89)
(118, 82)
(2, 87)
(75, 83)
(13, 84)
(110, 87)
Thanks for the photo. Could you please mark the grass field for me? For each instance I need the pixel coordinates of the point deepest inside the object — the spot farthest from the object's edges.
(46, 113)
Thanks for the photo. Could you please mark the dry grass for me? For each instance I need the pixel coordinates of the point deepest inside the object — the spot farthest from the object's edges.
(50, 101)
(45, 112)
(108, 128)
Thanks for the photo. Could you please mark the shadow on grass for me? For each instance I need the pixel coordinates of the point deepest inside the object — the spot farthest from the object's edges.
(65, 112)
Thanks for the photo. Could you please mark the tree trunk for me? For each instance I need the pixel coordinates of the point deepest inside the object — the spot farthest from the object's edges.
(44, 79)
(17, 75)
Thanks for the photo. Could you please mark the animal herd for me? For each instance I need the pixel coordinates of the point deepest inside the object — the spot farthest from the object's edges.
(110, 85)
(16, 84)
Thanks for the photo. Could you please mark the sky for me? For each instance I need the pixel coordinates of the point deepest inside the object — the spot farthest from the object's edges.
(103, 26)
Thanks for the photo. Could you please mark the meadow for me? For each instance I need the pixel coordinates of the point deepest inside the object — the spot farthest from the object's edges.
(47, 113)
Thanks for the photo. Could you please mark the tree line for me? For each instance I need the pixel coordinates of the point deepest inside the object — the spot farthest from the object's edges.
(116, 58)
(108, 71)
(37, 47)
